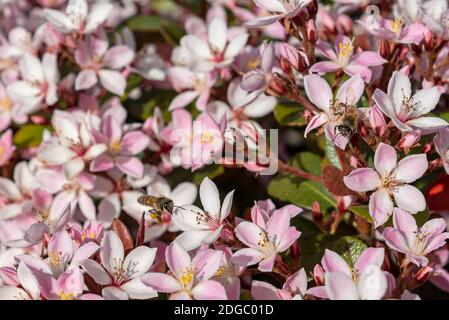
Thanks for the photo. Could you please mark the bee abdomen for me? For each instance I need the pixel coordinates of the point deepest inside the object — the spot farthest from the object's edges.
(144, 200)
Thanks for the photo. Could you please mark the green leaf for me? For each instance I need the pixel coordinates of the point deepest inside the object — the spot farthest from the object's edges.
(331, 154)
(290, 115)
(29, 135)
(361, 211)
(349, 248)
(302, 193)
(211, 171)
(307, 161)
(145, 23)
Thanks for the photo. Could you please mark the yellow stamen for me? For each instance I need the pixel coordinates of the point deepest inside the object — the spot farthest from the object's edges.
(345, 48)
(5, 104)
(66, 295)
(115, 146)
(253, 63)
(397, 24)
(55, 259)
(187, 277)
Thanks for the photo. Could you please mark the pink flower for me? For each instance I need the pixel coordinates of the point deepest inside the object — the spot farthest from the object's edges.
(72, 145)
(406, 111)
(294, 288)
(229, 274)
(395, 30)
(99, 62)
(279, 9)
(366, 281)
(259, 78)
(416, 243)
(78, 18)
(121, 275)
(7, 148)
(342, 59)
(264, 243)
(194, 85)
(38, 84)
(67, 286)
(202, 226)
(25, 286)
(123, 148)
(333, 109)
(189, 278)
(390, 180)
(217, 50)
(17, 193)
(194, 143)
(441, 142)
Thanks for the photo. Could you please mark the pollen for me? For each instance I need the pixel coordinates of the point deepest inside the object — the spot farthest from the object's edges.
(187, 277)
(55, 259)
(5, 104)
(397, 24)
(115, 146)
(66, 295)
(345, 49)
(253, 63)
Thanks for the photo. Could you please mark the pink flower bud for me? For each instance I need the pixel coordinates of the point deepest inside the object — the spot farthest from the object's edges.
(377, 120)
(312, 34)
(410, 139)
(318, 275)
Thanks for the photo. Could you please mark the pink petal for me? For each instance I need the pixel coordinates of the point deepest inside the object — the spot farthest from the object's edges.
(131, 166)
(369, 59)
(118, 57)
(380, 207)
(395, 239)
(134, 142)
(355, 69)
(333, 262)
(325, 67)
(263, 291)
(209, 290)
(161, 282)
(351, 90)
(113, 81)
(318, 91)
(101, 163)
(411, 168)
(288, 238)
(339, 286)
(248, 233)
(247, 257)
(177, 258)
(370, 256)
(362, 180)
(317, 121)
(182, 100)
(385, 159)
(409, 198)
(86, 79)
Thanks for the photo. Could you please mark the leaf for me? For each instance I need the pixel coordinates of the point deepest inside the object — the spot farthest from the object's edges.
(122, 231)
(333, 180)
(349, 248)
(331, 154)
(211, 171)
(145, 23)
(290, 115)
(361, 211)
(308, 161)
(302, 193)
(29, 135)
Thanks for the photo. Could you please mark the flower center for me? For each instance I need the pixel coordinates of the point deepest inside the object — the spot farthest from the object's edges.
(66, 295)
(253, 63)
(5, 104)
(265, 245)
(206, 219)
(115, 146)
(397, 24)
(186, 278)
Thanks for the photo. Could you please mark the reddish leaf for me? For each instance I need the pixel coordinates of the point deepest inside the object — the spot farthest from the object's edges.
(124, 234)
(437, 194)
(333, 180)
(140, 238)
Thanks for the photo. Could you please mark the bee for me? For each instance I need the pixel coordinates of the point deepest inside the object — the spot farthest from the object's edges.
(348, 121)
(158, 205)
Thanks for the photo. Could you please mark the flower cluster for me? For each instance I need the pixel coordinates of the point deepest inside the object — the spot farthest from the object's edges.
(250, 149)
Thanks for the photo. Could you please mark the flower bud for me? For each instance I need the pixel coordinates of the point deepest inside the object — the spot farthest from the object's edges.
(384, 49)
(312, 34)
(377, 120)
(424, 274)
(312, 8)
(410, 139)
(318, 275)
